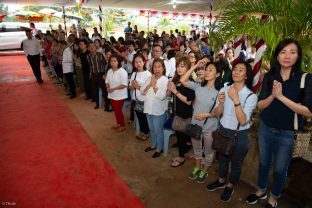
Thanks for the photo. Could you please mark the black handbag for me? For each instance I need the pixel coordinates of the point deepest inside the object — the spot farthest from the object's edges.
(194, 130)
(225, 144)
(137, 105)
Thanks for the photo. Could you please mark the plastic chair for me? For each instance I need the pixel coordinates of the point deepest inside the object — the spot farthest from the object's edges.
(167, 133)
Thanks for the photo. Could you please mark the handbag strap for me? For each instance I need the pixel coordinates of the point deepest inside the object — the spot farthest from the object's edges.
(211, 108)
(134, 88)
(302, 84)
(238, 125)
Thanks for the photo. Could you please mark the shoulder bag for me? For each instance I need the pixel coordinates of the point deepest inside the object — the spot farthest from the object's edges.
(301, 139)
(178, 123)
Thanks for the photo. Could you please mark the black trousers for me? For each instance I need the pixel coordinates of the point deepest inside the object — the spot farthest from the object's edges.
(181, 140)
(106, 99)
(34, 62)
(97, 83)
(87, 82)
(59, 70)
(70, 80)
(142, 122)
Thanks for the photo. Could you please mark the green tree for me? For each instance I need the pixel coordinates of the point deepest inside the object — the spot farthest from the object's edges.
(270, 20)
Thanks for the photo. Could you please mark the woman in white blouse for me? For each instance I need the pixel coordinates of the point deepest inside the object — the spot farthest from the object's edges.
(116, 84)
(155, 105)
(235, 103)
(138, 78)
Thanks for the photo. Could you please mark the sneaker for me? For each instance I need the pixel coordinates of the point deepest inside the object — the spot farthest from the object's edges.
(194, 173)
(202, 176)
(215, 185)
(227, 194)
(253, 198)
(268, 205)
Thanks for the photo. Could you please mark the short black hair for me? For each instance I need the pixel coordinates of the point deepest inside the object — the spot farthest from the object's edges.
(84, 41)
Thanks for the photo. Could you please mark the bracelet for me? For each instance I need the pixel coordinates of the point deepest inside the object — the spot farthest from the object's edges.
(177, 93)
(236, 105)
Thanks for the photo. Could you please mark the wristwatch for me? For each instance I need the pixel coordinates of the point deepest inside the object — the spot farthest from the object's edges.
(236, 105)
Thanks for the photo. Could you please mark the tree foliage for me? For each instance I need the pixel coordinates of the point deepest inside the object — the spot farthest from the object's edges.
(270, 20)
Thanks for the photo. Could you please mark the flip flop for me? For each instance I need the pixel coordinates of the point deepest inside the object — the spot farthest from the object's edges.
(177, 163)
(174, 159)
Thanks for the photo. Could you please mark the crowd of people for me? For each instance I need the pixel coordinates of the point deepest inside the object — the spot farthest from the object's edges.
(172, 75)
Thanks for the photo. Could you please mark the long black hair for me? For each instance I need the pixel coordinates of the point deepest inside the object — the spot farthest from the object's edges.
(218, 80)
(276, 66)
(249, 74)
(138, 55)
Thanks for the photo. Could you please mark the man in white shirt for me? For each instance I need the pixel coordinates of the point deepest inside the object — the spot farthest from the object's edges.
(68, 68)
(129, 56)
(157, 53)
(32, 49)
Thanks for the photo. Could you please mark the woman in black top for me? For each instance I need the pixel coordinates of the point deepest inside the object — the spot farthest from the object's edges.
(279, 101)
(183, 98)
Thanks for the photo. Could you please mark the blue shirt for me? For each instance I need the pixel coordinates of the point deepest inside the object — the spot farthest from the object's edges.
(205, 49)
(128, 30)
(229, 119)
(279, 116)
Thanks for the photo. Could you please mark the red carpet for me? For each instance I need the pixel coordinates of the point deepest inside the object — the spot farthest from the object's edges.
(46, 157)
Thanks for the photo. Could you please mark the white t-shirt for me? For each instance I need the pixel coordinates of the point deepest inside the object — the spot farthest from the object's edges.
(68, 61)
(170, 67)
(129, 65)
(114, 79)
(31, 47)
(141, 78)
(156, 103)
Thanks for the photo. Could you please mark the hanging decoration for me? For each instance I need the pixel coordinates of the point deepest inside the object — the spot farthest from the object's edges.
(176, 14)
(29, 16)
(142, 12)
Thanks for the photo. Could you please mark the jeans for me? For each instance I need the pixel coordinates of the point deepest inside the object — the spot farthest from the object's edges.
(156, 125)
(274, 145)
(237, 157)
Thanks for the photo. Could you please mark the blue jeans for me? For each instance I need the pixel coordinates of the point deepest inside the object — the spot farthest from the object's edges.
(156, 126)
(236, 159)
(274, 144)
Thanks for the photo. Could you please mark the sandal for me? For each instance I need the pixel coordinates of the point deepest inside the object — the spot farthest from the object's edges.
(121, 129)
(174, 159)
(145, 137)
(150, 149)
(177, 163)
(116, 126)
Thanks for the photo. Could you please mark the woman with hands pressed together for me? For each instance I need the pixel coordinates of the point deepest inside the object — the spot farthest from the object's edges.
(235, 103)
(183, 98)
(279, 101)
(156, 104)
(116, 83)
(205, 98)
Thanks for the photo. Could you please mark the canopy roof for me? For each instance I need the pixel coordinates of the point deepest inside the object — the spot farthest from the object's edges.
(191, 6)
